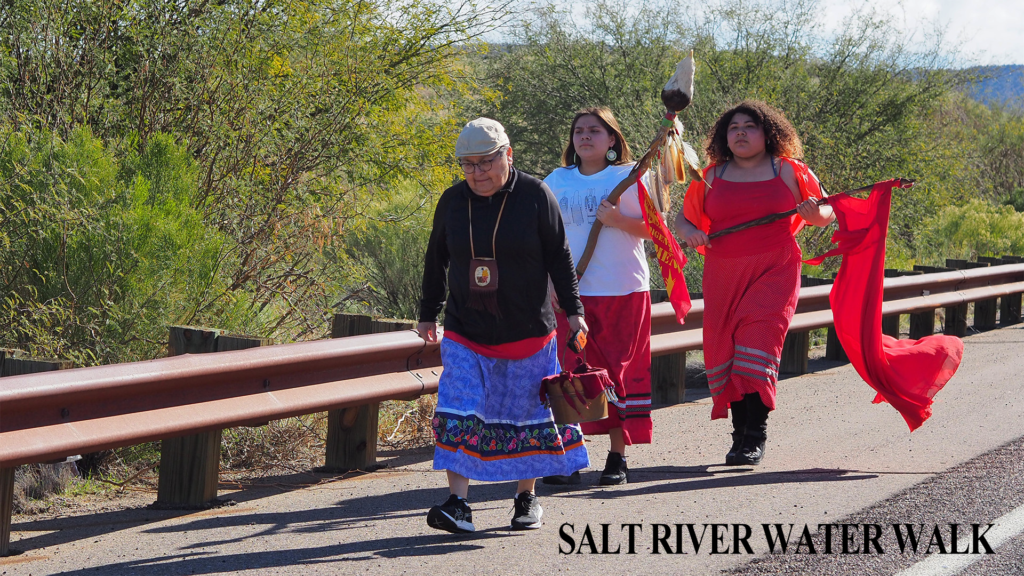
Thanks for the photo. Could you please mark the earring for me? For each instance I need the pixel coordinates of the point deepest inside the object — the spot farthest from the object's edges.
(611, 155)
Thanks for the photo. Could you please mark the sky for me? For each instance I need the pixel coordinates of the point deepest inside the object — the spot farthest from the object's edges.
(989, 31)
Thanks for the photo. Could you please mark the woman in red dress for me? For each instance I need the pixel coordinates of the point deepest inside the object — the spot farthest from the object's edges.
(751, 277)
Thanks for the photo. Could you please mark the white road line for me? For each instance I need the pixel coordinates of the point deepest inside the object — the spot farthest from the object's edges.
(1006, 527)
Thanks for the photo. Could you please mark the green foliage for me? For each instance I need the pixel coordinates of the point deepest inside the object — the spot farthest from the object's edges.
(254, 165)
(1002, 147)
(1015, 199)
(864, 102)
(974, 229)
(552, 67)
(295, 114)
(102, 247)
(387, 255)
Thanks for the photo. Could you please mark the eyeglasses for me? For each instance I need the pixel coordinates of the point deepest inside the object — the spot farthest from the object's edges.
(483, 165)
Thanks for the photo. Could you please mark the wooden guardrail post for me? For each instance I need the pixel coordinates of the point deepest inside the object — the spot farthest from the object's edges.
(926, 320)
(6, 509)
(16, 365)
(833, 347)
(1009, 305)
(956, 316)
(352, 432)
(190, 465)
(891, 323)
(6, 481)
(13, 363)
(668, 372)
(921, 323)
(796, 346)
(985, 310)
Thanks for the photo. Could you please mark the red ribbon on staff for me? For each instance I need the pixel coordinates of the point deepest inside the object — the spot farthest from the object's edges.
(670, 256)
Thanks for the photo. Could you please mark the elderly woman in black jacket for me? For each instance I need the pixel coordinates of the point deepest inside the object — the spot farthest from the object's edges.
(497, 237)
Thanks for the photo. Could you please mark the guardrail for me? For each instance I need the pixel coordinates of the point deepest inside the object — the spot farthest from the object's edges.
(53, 415)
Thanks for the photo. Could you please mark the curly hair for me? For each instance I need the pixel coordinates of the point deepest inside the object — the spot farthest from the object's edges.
(607, 119)
(780, 138)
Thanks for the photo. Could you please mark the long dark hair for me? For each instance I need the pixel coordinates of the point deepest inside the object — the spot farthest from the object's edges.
(780, 138)
(607, 119)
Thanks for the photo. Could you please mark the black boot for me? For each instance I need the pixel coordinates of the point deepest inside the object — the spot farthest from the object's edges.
(739, 422)
(751, 449)
(615, 470)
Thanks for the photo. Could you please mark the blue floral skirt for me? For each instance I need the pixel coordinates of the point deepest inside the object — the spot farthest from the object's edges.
(490, 423)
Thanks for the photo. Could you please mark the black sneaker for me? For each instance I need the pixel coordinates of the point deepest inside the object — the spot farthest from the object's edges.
(453, 516)
(615, 470)
(561, 480)
(527, 512)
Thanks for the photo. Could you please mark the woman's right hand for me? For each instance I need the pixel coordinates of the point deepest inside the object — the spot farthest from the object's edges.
(428, 331)
(697, 238)
(692, 235)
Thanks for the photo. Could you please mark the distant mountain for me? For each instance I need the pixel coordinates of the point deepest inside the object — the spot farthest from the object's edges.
(999, 85)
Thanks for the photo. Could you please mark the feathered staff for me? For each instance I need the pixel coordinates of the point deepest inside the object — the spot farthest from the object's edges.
(668, 159)
(678, 160)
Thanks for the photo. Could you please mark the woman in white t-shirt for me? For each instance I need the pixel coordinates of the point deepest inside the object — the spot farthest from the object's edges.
(615, 289)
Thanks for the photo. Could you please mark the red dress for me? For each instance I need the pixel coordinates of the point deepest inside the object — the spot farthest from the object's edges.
(751, 285)
(619, 341)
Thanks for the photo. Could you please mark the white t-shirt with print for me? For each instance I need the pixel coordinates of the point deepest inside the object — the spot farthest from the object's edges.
(619, 264)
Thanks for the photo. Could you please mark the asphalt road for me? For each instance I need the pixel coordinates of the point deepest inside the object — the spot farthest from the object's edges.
(833, 459)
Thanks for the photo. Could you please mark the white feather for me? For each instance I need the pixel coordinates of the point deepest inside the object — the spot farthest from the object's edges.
(682, 80)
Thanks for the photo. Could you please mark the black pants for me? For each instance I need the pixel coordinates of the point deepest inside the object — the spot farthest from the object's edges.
(750, 416)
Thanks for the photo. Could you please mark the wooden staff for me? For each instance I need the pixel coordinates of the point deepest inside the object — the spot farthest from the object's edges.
(904, 183)
(613, 197)
(676, 96)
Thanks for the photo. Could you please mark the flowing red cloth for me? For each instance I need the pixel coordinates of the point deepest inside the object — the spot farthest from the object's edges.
(620, 342)
(670, 256)
(905, 373)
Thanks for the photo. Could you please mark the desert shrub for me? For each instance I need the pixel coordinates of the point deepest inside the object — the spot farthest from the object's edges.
(977, 228)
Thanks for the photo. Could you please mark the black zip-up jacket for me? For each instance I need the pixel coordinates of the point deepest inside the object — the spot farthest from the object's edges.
(531, 245)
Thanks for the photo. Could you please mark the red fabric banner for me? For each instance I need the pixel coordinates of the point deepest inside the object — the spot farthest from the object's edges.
(670, 256)
(906, 373)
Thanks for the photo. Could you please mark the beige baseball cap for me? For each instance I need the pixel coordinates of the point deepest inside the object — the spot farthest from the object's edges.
(481, 137)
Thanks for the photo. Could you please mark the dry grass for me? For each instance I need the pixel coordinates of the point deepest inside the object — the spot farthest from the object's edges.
(35, 483)
(280, 447)
(406, 424)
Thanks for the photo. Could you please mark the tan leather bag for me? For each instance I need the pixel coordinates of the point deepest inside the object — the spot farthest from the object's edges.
(581, 395)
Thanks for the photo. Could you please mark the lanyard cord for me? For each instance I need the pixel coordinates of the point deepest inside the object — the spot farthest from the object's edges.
(494, 237)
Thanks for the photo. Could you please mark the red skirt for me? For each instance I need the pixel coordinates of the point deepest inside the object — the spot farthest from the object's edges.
(620, 342)
(749, 302)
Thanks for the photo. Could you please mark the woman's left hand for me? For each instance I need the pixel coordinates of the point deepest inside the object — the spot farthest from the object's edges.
(609, 214)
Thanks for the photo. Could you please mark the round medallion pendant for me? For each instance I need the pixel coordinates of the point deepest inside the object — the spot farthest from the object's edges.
(482, 276)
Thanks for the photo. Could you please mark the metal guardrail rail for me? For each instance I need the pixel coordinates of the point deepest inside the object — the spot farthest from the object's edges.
(52, 415)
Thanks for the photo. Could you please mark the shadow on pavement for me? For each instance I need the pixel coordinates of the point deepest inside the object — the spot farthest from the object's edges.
(705, 478)
(207, 563)
(346, 514)
(67, 529)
